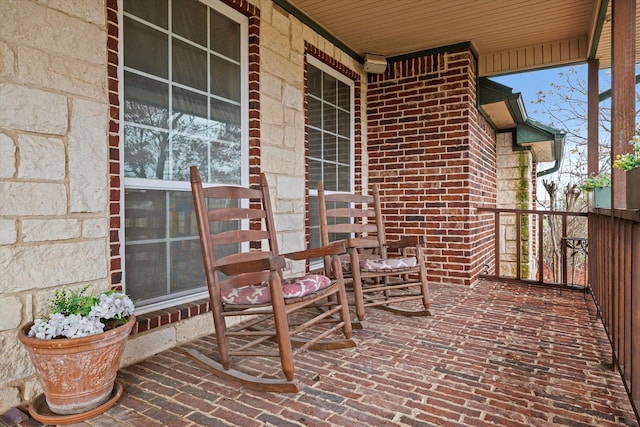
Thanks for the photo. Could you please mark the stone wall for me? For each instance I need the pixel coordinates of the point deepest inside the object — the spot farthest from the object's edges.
(515, 172)
(53, 166)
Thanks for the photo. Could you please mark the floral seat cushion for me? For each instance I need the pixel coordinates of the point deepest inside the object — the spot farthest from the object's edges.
(388, 264)
(291, 288)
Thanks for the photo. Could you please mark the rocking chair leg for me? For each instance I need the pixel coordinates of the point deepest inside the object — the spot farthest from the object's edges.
(249, 381)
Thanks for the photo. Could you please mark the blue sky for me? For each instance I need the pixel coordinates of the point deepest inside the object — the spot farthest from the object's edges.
(530, 83)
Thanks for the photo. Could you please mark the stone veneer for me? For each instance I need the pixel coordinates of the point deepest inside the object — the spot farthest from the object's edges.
(513, 166)
(54, 224)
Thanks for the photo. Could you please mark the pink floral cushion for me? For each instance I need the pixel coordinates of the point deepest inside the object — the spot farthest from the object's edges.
(388, 264)
(291, 288)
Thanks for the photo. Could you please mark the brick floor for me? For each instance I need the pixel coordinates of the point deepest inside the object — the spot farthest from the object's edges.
(495, 354)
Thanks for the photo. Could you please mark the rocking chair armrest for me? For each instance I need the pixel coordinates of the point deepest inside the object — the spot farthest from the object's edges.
(406, 241)
(334, 248)
(247, 266)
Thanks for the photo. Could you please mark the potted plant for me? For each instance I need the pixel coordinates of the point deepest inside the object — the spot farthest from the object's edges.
(76, 349)
(601, 187)
(630, 163)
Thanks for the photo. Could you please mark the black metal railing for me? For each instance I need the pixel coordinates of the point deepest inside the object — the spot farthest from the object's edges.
(545, 247)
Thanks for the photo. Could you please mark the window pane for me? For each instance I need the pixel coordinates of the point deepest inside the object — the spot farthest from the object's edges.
(344, 123)
(329, 116)
(145, 48)
(225, 36)
(189, 65)
(189, 112)
(146, 101)
(314, 81)
(329, 146)
(344, 178)
(189, 19)
(187, 152)
(225, 79)
(329, 89)
(344, 96)
(143, 151)
(156, 15)
(144, 265)
(145, 215)
(163, 247)
(315, 173)
(315, 144)
(227, 167)
(226, 118)
(344, 150)
(314, 112)
(329, 177)
(187, 271)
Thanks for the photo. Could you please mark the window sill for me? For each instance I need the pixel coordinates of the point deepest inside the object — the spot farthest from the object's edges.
(155, 319)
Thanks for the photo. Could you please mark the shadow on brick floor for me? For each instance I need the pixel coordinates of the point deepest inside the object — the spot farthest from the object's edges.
(493, 354)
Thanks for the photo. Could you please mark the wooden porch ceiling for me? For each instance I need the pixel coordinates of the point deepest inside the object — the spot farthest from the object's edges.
(508, 35)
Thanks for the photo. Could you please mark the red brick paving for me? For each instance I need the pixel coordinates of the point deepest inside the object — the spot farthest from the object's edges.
(494, 354)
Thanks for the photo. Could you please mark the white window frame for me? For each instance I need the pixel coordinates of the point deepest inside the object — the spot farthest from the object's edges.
(349, 82)
(168, 185)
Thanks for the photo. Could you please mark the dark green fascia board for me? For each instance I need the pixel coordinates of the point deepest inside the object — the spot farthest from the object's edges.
(318, 29)
(490, 92)
(602, 15)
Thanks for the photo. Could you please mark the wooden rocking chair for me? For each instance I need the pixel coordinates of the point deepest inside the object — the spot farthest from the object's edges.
(384, 274)
(244, 277)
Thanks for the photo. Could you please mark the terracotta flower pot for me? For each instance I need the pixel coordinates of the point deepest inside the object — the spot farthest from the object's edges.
(77, 374)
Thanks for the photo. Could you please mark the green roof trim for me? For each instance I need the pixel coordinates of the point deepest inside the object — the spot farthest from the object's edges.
(527, 130)
(602, 15)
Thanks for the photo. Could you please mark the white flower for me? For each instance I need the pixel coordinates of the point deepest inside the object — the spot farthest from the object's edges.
(110, 305)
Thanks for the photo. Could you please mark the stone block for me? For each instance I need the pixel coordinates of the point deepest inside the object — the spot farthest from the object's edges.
(88, 181)
(95, 227)
(271, 110)
(8, 232)
(289, 222)
(9, 399)
(51, 265)
(31, 198)
(39, 111)
(292, 97)
(38, 68)
(56, 32)
(7, 61)
(194, 327)
(89, 10)
(278, 160)
(41, 158)
(290, 187)
(15, 362)
(11, 313)
(7, 157)
(38, 230)
(141, 346)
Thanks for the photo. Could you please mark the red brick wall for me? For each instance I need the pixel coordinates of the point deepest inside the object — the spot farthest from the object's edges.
(434, 157)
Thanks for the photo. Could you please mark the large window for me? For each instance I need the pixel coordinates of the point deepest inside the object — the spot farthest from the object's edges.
(330, 133)
(185, 101)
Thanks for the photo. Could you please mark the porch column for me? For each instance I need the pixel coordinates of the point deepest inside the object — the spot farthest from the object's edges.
(593, 105)
(623, 90)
